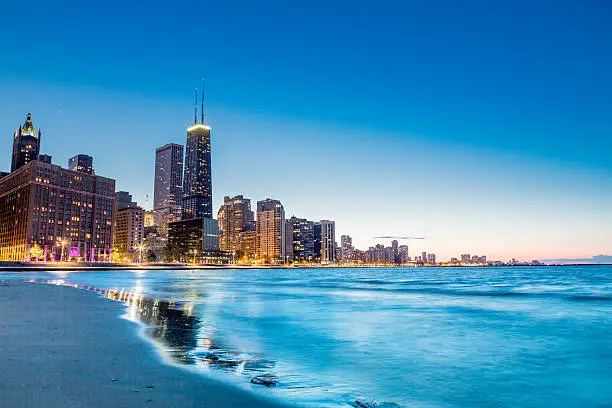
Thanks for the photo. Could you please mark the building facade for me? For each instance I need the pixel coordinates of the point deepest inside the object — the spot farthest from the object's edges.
(235, 217)
(303, 239)
(328, 241)
(271, 230)
(69, 215)
(128, 234)
(346, 248)
(168, 186)
(26, 144)
(81, 163)
(197, 186)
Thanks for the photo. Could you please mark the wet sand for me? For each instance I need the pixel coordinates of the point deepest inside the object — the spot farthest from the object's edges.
(62, 347)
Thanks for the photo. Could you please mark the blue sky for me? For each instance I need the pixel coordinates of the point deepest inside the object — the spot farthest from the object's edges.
(484, 126)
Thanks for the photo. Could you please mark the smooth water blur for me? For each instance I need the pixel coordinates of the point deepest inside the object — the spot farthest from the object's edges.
(417, 337)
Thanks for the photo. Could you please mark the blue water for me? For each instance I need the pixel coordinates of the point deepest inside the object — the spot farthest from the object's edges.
(416, 337)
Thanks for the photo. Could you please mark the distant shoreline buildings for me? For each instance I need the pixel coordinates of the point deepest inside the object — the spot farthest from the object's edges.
(54, 214)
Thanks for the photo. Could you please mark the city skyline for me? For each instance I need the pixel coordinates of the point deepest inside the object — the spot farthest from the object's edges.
(529, 178)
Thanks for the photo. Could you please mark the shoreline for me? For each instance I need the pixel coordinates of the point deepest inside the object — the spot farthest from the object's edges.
(77, 267)
(67, 347)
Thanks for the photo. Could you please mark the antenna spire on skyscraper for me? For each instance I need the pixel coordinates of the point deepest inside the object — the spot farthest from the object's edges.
(195, 114)
(202, 107)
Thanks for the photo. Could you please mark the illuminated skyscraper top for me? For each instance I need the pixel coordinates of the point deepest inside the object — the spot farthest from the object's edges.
(197, 180)
(26, 144)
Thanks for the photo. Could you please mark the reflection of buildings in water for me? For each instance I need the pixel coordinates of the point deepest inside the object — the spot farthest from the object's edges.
(181, 333)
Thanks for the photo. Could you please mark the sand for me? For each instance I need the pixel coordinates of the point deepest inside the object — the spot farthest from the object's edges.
(62, 347)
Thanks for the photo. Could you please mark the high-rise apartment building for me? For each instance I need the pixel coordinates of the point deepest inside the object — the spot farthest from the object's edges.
(81, 163)
(289, 257)
(26, 144)
(328, 241)
(271, 230)
(128, 233)
(168, 186)
(197, 184)
(235, 217)
(346, 248)
(69, 215)
(303, 239)
(403, 254)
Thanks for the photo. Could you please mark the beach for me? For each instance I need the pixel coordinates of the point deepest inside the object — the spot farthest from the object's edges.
(63, 347)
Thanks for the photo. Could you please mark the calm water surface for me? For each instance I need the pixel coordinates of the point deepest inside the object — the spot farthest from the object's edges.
(416, 337)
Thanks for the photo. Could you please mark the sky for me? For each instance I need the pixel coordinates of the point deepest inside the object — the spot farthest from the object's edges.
(482, 126)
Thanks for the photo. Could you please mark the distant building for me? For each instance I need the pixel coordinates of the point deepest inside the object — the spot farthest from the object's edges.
(303, 239)
(317, 242)
(289, 256)
(431, 258)
(128, 234)
(67, 214)
(154, 243)
(124, 200)
(424, 257)
(235, 217)
(167, 189)
(346, 248)
(149, 219)
(26, 144)
(271, 230)
(466, 259)
(395, 250)
(193, 240)
(248, 244)
(482, 259)
(45, 158)
(81, 163)
(403, 254)
(328, 241)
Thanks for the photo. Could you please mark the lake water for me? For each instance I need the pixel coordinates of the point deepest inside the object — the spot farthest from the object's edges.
(416, 337)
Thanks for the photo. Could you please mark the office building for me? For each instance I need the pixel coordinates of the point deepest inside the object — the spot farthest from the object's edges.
(167, 189)
(149, 219)
(346, 248)
(68, 215)
(128, 233)
(271, 230)
(26, 144)
(235, 217)
(124, 200)
(303, 239)
(193, 240)
(288, 241)
(81, 163)
(403, 254)
(328, 241)
(197, 185)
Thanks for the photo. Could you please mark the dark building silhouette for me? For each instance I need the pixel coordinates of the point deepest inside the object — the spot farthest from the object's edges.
(197, 181)
(26, 144)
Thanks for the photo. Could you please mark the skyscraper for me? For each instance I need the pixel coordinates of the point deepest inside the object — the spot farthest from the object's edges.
(26, 144)
(81, 163)
(197, 187)
(395, 249)
(346, 248)
(303, 239)
(235, 217)
(328, 241)
(271, 231)
(168, 187)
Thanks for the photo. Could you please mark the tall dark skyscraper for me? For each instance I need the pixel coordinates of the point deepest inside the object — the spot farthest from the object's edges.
(26, 144)
(197, 184)
(168, 189)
